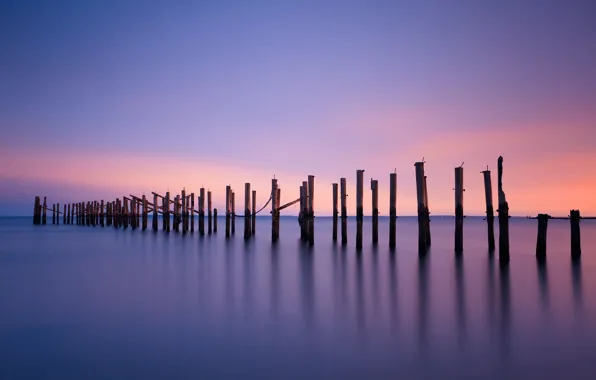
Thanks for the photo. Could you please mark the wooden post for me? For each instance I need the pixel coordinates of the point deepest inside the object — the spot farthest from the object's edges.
(209, 216)
(38, 211)
(392, 208)
(305, 218)
(344, 211)
(253, 219)
(36, 219)
(102, 214)
(359, 206)
(167, 211)
(154, 218)
(278, 205)
(67, 213)
(64, 215)
(202, 211)
(541, 240)
(233, 199)
(145, 212)
(311, 209)
(53, 213)
(459, 209)
(374, 185)
(192, 210)
(125, 215)
(490, 215)
(228, 205)
(58, 213)
(335, 211)
(247, 232)
(422, 210)
(274, 212)
(427, 221)
(503, 217)
(133, 213)
(183, 212)
(214, 220)
(576, 247)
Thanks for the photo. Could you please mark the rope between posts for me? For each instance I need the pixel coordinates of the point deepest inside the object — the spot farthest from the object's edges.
(250, 215)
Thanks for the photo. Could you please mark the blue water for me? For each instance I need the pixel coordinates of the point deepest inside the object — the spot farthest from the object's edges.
(99, 303)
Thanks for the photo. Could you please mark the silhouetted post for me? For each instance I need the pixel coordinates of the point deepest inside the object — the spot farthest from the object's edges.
(167, 211)
(490, 216)
(183, 211)
(392, 208)
(344, 211)
(101, 213)
(39, 211)
(274, 212)
(125, 213)
(247, 233)
(459, 209)
(311, 209)
(335, 210)
(576, 247)
(359, 206)
(215, 221)
(228, 205)
(209, 216)
(67, 210)
(428, 239)
(422, 210)
(154, 218)
(253, 219)
(202, 211)
(133, 213)
(503, 217)
(305, 218)
(233, 199)
(145, 212)
(139, 205)
(64, 215)
(53, 213)
(192, 211)
(374, 186)
(164, 225)
(541, 240)
(36, 211)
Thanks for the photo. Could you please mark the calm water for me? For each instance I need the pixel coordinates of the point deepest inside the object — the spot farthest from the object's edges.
(83, 302)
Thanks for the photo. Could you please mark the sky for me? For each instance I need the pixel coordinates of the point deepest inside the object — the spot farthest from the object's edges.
(100, 99)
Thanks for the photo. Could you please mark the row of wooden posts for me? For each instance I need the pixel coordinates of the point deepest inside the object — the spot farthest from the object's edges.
(118, 213)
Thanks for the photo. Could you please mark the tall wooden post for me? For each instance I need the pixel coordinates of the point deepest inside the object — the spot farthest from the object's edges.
(154, 218)
(214, 220)
(374, 186)
(459, 209)
(305, 218)
(145, 212)
(428, 238)
(53, 213)
(392, 208)
(576, 247)
(202, 211)
(192, 210)
(311, 209)
(67, 213)
(184, 210)
(490, 215)
(125, 213)
(133, 213)
(36, 207)
(64, 215)
(541, 240)
(209, 216)
(139, 205)
(503, 217)
(422, 210)
(274, 212)
(102, 213)
(228, 205)
(335, 210)
(247, 232)
(233, 200)
(344, 211)
(167, 211)
(58, 213)
(359, 206)
(39, 211)
(253, 219)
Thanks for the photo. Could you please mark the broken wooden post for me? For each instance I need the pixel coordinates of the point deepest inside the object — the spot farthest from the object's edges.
(214, 220)
(490, 216)
(344, 211)
(305, 220)
(247, 233)
(274, 212)
(459, 209)
(133, 213)
(422, 210)
(209, 216)
(374, 186)
(503, 217)
(392, 208)
(311, 210)
(253, 219)
(154, 218)
(145, 212)
(228, 205)
(541, 240)
(192, 210)
(183, 212)
(576, 247)
(233, 200)
(359, 206)
(202, 211)
(335, 210)
(167, 211)
(125, 214)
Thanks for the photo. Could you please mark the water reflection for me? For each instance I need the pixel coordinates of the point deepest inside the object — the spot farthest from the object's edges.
(307, 286)
(274, 286)
(505, 320)
(543, 282)
(460, 300)
(360, 302)
(393, 292)
(576, 276)
(423, 302)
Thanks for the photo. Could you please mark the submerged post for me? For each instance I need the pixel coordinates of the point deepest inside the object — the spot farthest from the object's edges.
(209, 216)
(335, 211)
(576, 247)
(192, 211)
(253, 219)
(145, 212)
(274, 212)
(202, 211)
(374, 186)
(392, 208)
(344, 211)
(36, 216)
(459, 209)
(541, 240)
(503, 217)
(247, 231)
(154, 218)
(359, 206)
(53, 213)
(233, 199)
(228, 204)
(64, 215)
(167, 211)
(304, 208)
(215, 221)
(422, 209)
(183, 212)
(68, 215)
(311, 209)
(490, 215)
(39, 211)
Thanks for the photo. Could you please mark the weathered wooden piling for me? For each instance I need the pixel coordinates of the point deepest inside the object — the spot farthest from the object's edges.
(490, 215)
(253, 219)
(359, 206)
(183, 212)
(228, 207)
(428, 234)
(58, 213)
(126, 215)
(102, 213)
(423, 214)
(214, 220)
(202, 211)
(192, 210)
(39, 211)
(36, 211)
(145, 212)
(247, 231)
(344, 211)
(209, 216)
(459, 209)
(53, 213)
(167, 211)
(68, 214)
(133, 213)
(576, 247)
(64, 215)
(335, 210)
(541, 239)
(374, 186)
(233, 200)
(274, 212)
(304, 219)
(311, 210)
(392, 208)
(503, 217)
(154, 217)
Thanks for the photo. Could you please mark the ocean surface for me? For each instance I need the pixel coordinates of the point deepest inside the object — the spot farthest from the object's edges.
(99, 303)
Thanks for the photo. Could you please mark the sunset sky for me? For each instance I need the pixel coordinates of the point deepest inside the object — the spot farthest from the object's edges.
(99, 99)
